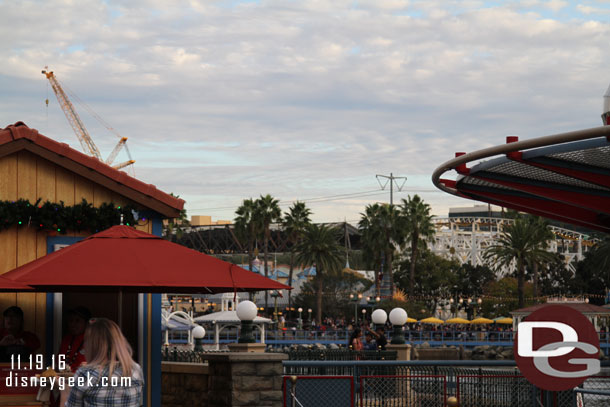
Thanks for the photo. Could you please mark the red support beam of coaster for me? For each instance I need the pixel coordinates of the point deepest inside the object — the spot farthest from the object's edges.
(541, 207)
(556, 192)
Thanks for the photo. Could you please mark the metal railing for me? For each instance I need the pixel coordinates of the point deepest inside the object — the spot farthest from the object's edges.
(432, 383)
(595, 392)
(451, 369)
(495, 390)
(468, 338)
(340, 354)
(181, 355)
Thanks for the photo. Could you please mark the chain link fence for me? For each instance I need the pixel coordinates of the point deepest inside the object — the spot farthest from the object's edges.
(591, 398)
(473, 384)
(314, 391)
(594, 392)
(495, 391)
(402, 391)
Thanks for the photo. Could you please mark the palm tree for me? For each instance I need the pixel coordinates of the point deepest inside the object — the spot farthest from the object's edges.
(246, 228)
(542, 234)
(371, 243)
(600, 254)
(418, 229)
(267, 211)
(320, 247)
(295, 223)
(177, 225)
(381, 230)
(520, 242)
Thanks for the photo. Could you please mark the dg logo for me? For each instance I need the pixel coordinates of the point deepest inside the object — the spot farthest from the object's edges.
(556, 348)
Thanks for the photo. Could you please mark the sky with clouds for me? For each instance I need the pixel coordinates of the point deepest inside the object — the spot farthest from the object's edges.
(226, 100)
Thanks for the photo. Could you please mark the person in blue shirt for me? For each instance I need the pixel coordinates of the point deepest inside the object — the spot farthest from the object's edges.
(369, 343)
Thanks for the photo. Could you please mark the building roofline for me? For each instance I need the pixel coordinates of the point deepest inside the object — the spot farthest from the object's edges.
(19, 137)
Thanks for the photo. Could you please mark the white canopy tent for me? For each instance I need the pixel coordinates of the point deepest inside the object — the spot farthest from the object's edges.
(227, 317)
(177, 321)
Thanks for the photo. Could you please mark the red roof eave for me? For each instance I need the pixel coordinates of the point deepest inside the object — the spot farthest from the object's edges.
(20, 137)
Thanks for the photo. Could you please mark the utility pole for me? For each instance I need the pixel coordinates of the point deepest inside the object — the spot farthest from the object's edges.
(391, 179)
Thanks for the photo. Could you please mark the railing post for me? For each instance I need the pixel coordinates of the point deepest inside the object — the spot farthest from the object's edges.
(293, 391)
(356, 379)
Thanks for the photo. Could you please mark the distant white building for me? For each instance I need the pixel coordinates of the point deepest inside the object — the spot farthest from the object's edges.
(468, 231)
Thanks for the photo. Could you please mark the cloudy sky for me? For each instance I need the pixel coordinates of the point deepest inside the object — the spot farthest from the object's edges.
(225, 100)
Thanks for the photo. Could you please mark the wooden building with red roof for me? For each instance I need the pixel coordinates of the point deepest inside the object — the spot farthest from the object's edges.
(35, 168)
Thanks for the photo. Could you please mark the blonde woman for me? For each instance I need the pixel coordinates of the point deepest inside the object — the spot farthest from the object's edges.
(110, 376)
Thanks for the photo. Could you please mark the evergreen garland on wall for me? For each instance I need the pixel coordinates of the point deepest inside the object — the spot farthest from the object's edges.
(57, 217)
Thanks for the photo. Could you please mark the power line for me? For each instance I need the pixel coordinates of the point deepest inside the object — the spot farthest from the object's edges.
(328, 198)
(307, 200)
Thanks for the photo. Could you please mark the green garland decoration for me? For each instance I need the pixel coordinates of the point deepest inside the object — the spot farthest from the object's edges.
(57, 217)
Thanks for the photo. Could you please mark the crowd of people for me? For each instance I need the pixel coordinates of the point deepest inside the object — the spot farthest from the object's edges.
(373, 339)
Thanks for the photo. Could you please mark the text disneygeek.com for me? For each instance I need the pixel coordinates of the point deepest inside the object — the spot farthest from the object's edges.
(14, 380)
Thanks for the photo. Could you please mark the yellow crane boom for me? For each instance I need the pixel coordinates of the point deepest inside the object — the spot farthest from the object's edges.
(79, 128)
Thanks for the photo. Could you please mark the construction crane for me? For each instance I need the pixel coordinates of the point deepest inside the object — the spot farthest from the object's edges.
(79, 128)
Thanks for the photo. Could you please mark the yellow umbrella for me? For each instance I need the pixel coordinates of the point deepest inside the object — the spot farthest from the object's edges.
(410, 320)
(504, 320)
(432, 320)
(482, 321)
(457, 321)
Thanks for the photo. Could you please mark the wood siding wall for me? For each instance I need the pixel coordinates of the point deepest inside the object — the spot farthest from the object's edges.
(24, 175)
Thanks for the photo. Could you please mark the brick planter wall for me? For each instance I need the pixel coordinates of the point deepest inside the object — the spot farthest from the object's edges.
(245, 379)
(184, 384)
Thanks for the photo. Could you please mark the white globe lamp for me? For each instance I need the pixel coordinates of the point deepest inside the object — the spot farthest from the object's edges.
(246, 312)
(398, 317)
(198, 334)
(379, 318)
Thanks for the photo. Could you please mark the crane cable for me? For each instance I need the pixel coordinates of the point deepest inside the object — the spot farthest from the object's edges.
(90, 110)
(103, 122)
(47, 103)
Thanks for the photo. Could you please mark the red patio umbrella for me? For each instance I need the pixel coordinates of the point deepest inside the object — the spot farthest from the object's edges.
(124, 259)
(10, 285)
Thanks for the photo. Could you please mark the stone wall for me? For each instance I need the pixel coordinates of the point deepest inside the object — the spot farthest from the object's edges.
(229, 379)
(437, 354)
(184, 384)
(245, 379)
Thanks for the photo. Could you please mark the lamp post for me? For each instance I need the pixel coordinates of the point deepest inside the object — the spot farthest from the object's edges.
(198, 334)
(398, 317)
(479, 302)
(452, 310)
(363, 315)
(300, 320)
(355, 299)
(457, 306)
(379, 318)
(246, 312)
(371, 301)
(274, 295)
(309, 311)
